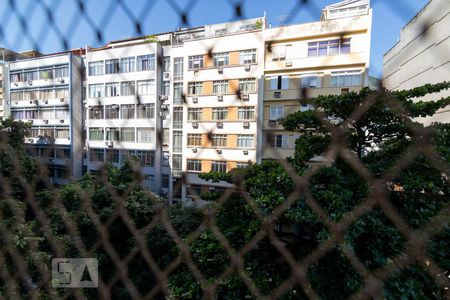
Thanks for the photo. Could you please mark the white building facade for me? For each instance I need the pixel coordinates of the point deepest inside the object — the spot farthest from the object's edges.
(422, 55)
(47, 92)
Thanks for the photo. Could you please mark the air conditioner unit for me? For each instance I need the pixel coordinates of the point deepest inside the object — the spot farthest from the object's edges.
(164, 106)
(166, 76)
(247, 67)
(46, 121)
(272, 123)
(61, 99)
(36, 102)
(161, 114)
(246, 124)
(16, 102)
(61, 121)
(277, 94)
(45, 101)
(220, 69)
(245, 152)
(164, 191)
(31, 141)
(194, 100)
(163, 97)
(195, 124)
(194, 150)
(245, 97)
(31, 101)
(219, 98)
(219, 124)
(219, 151)
(30, 121)
(16, 83)
(109, 144)
(30, 82)
(60, 80)
(288, 63)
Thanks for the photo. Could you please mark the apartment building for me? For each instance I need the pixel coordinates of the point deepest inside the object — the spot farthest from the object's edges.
(303, 61)
(46, 91)
(123, 116)
(215, 93)
(422, 55)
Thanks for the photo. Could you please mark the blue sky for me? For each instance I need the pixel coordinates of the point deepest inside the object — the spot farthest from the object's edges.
(117, 21)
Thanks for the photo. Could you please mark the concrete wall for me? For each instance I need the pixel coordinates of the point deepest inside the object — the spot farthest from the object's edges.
(422, 55)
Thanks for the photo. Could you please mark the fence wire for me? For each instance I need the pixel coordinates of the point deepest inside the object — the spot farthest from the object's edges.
(25, 269)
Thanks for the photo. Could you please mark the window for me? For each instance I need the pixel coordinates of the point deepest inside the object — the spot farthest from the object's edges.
(194, 165)
(311, 81)
(247, 57)
(95, 68)
(166, 64)
(127, 134)
(278, 52)
(279, 83)
(146, 111)
(242, 165)
(61, 114)
(126, 155)
(195, 88)
(43, 94)
(112, 111)
(276, 112)
(146, 158)
(177, 161)
(64, 93)
(177, 141)
(95, 90)
(97, 155)
(146, 62)
(166, 88)
(178, 93)
(47, 114)
(246, 113)
(127, 111)
(219, 113)
(127, 88)
(60, 72)
(218, 166)
(96, 112)
(127, 64)
(221, 59)
(220, 87)
(195, 114)
(96, 134)
(146, 87)
(178, 117)
(47, 133)
(112, 156)
(48, 73)
(112, 66)
(62, 134)
(112, 89)
(245, 141)
(346, 78)
(30, 76)
(219, 140)
(332, 47)
(145, 135)
(195, 62)
(194, 139)
(280, 141)
(178, 68)
(112, 134)
(247, 85)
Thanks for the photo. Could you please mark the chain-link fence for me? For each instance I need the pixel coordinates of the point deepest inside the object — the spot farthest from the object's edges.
(363, 221)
